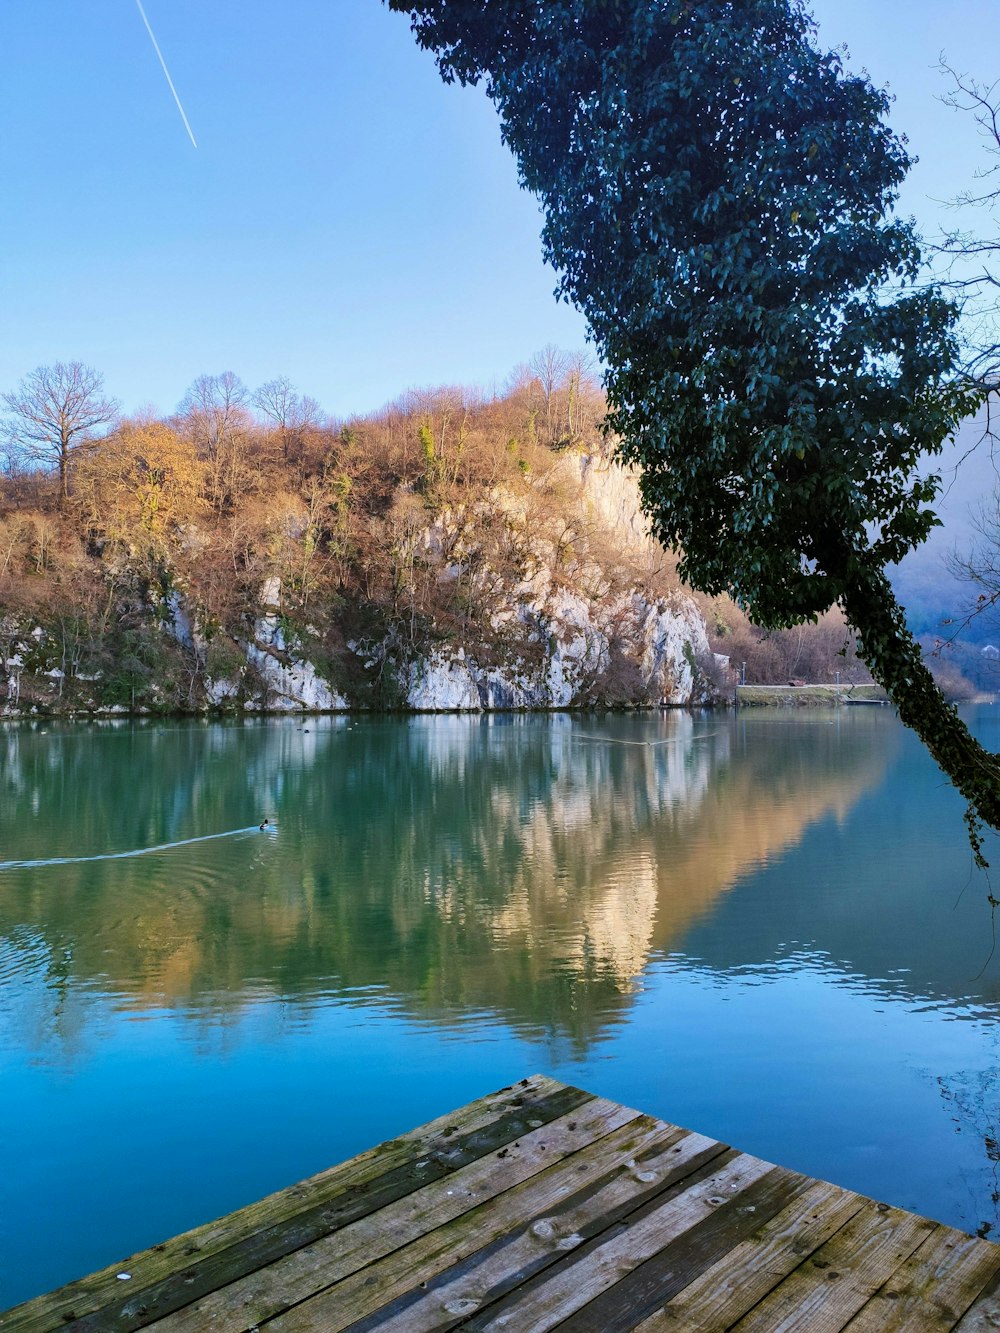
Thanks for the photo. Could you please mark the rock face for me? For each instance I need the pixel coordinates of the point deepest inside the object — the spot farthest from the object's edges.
(574, 622)
(295, 686)
(566, 638)
(656, 644)
(553, 596)
(285, 680)
(610, 493)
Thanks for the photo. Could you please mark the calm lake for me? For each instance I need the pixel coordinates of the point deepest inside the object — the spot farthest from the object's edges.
(765, 927)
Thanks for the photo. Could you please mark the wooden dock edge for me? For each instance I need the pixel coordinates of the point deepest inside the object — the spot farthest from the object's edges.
(541, 1206)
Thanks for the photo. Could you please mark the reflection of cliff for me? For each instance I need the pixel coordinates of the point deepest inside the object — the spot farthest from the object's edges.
(524, 867)
(901, 865)
(709, 822)
(746, 823)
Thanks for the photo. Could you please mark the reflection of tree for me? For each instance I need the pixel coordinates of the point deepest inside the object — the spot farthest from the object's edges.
(971, 1098)
(524, 867)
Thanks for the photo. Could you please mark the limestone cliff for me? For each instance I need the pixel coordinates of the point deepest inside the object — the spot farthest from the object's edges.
(587, 613)
(549, 595)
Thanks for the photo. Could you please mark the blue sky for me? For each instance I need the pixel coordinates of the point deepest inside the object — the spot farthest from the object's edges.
(346, 220)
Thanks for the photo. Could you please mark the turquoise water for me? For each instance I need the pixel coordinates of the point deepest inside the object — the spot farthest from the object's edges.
(765, 927)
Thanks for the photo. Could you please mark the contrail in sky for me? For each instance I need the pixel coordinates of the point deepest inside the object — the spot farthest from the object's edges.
(166, 71)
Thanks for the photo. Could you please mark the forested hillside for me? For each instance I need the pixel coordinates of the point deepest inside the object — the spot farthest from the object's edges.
(455, 549)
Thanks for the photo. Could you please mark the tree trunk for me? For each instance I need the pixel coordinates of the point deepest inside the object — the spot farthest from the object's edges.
(894, 658)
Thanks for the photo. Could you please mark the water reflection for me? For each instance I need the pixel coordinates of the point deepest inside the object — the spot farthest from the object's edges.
(763, 927)
(889, 896)
(520, 866)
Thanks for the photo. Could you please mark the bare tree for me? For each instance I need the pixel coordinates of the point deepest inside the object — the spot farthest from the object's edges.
(213, 409)
(979, 565)
(550, 367)
(215, 417)
(972, 275)
(292, 414)
(584, 399)
(974, 258)
(53, 414)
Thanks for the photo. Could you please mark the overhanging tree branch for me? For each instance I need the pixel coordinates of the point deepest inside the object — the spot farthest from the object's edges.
(718, 195)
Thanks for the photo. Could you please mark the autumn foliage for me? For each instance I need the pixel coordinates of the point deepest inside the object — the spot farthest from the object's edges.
(389, 523)
(236, 488)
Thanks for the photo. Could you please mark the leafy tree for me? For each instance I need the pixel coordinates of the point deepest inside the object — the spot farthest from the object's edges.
(53, 414)
(141, 483)
(718, 196)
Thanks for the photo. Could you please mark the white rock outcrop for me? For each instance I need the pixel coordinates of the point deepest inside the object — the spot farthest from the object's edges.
(290, 681)
(296, 685)
(579, 640)
(610, 493)
(219, 692)
(570, 619)
(568, 645)
(438, 683)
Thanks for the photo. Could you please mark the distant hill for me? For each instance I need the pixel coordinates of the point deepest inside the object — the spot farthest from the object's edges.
(934, 598)
(939, 603)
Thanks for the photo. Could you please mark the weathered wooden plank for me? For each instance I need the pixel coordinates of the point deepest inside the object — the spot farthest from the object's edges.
(557, 1292)
(453, 1271)
(274, 1288)
(934, 1287)
(671, 1269)
(159, 1276)
(540, 1207)
(267, 1245)
(827, 1291)
(735, 1284)
(984, 1314)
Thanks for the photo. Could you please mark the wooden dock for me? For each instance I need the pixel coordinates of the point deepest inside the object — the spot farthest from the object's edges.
(543, 1207)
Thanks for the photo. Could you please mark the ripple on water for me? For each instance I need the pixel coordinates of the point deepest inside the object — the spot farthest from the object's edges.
(24, 956)
(143, 927)
(155, 849)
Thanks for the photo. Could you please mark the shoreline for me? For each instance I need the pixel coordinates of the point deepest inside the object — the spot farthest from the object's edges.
(808, 696)
(123, 714)
(742, 696)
